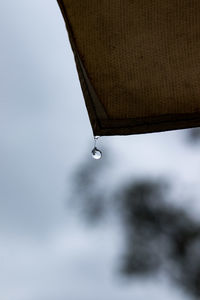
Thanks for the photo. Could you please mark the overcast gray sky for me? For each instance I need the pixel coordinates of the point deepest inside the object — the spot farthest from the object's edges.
(45, 133)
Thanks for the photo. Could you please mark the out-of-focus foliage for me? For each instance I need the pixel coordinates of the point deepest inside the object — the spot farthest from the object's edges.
(159, 236)
(194, 135)
(89, 192)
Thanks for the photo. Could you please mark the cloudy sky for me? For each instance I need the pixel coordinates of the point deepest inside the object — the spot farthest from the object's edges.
(45, 251)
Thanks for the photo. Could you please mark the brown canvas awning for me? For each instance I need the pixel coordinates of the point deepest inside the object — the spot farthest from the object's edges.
(138, 62)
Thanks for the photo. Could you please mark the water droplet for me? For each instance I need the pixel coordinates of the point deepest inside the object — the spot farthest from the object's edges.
(96, 153)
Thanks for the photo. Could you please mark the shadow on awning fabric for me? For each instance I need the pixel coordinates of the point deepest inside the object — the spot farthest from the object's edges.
(138, 62)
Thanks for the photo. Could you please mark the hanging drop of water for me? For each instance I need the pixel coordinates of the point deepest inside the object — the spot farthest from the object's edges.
(96, 153)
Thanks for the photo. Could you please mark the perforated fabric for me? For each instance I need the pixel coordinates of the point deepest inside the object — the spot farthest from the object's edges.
(138, 62)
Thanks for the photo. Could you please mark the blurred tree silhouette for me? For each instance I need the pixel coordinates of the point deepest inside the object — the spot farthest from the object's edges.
(159, 236)
(193, 135)
(89, 194)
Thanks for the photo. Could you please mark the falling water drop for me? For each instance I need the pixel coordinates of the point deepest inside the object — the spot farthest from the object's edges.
(96, 153)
